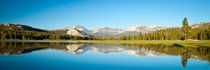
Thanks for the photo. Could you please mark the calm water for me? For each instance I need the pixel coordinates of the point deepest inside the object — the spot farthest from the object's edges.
(61, 55)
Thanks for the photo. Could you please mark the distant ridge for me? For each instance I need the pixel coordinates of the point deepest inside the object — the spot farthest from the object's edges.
(106, 31)
(18, 27)
(200, 25)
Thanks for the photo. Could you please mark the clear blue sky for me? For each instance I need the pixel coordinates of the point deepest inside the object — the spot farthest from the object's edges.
(55, 14)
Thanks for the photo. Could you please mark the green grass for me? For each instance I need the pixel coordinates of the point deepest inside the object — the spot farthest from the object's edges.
(202, 43)
(180, 43)
(193, 45)
(147, 41)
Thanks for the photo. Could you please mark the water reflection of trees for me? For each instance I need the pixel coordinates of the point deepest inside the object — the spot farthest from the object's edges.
(201, 54)
(9, 48)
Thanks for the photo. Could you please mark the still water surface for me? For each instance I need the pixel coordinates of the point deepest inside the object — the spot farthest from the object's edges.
(63, 55)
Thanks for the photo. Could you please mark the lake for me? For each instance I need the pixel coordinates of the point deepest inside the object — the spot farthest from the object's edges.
(65, 55)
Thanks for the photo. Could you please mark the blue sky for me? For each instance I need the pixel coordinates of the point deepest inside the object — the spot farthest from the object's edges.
(56, 14)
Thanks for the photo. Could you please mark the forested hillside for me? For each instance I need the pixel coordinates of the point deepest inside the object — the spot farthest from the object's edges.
(198, 31)
(186, 32)
(22, 32)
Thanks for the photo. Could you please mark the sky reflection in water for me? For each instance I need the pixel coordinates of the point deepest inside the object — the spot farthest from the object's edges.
(71, 56)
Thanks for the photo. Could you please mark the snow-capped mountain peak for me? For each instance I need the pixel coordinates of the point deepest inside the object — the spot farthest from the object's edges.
(145, 28)
(200, 25)
(81, 28)
(107, 30)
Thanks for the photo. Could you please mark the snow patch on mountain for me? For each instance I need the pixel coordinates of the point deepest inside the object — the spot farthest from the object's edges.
(107, 30)
(146, 28)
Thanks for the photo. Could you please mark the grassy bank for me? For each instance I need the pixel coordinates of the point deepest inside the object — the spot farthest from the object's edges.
(180, 43)
(147, 41)
(201, 43)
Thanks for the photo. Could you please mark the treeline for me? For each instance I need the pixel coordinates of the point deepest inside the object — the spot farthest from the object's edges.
(33, 35)
(183, 33)
(171, 34)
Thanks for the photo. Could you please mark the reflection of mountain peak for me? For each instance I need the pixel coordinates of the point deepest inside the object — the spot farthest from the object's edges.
(75, 48)
(81, 48)
(10, 48)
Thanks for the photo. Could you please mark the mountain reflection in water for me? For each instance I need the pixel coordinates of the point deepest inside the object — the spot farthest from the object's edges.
(154, 50)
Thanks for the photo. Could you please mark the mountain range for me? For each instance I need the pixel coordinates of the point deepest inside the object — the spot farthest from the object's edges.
(106, 31)
(18, 27)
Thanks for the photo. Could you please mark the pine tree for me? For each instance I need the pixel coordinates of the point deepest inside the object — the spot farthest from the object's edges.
(185, 28)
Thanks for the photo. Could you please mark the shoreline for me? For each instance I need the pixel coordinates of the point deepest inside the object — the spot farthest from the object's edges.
(180, 43)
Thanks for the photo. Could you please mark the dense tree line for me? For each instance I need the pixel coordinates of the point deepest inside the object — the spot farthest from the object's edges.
(32, 35)
(173, 33)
